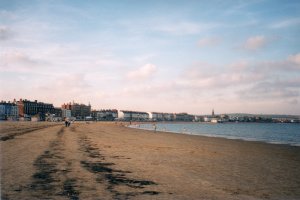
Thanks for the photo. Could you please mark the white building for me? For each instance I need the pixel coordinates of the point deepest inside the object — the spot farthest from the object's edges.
(65, 113)
(207, 119)
(133, 115)
(106, 115)
(156, 116)
(168, 116)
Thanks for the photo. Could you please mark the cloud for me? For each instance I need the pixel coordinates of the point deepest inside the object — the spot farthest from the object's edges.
(292, 62)
(239, 65)
(221, 80)
(142, 73)
(147, 90)
(271, 90)
(212, 77)
(5, 33)
(72, 81)
(259, 81)
(7, 14)
(66, 87)
(143, 58)
(294, 59)
(49, 58)
(277, 83)
(20, 62)
(255, 43)
(182, 27)
(18, 57)
(286, 23)
(173, 26)
(208, 42)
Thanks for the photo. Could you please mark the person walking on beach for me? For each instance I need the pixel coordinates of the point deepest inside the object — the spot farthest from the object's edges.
(67, 122)
(154, 127)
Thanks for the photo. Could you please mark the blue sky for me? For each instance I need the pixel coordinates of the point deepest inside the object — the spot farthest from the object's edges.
(170, 56)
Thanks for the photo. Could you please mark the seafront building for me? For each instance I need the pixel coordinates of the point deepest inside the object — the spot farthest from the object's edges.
(168, 116)
(66, 114)
(184, 117)
(156, 116)
(79, 111)
(67, 106)
(28, 109)
(213, 118)
(55, 116)
(8, 111)
(133, 115)
(57, 112)
(105, 114)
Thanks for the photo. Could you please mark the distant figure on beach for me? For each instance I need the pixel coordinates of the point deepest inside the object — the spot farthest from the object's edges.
(154, 127)
(67, 123)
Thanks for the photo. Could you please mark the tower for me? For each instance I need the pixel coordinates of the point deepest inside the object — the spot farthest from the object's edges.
(213, 113)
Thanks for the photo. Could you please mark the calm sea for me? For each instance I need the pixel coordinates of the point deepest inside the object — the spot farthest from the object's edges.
(278, 133)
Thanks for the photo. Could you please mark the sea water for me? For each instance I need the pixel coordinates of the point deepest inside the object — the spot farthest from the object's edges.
(278, 133)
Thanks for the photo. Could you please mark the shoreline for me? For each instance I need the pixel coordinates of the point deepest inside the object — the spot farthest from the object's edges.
(219, 138)
(113, 161)
(212, 135)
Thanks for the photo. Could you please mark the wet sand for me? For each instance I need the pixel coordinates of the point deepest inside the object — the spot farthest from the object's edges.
(110, 161)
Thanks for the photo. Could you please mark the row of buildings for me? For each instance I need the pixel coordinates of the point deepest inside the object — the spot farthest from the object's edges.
(154, 116)
(26, 110)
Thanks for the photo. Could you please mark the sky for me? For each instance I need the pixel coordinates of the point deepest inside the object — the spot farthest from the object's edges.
(164, 56)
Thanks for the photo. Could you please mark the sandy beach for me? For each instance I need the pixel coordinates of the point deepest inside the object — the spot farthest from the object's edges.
(101, 160)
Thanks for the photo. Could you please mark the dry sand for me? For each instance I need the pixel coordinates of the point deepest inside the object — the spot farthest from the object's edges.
(110, 161)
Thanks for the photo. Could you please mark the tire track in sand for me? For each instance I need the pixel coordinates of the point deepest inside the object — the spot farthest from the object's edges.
(51, 180)
(69, 171)
(116, 181)
(59, 173)
(12, 133)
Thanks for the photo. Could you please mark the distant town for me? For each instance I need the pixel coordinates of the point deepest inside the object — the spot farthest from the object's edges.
(26, 110)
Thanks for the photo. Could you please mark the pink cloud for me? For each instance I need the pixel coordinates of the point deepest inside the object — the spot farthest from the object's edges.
(208, 42)
(18, 61)
(294, 59)
(255, 43)
(142, 73)
(239, 65)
